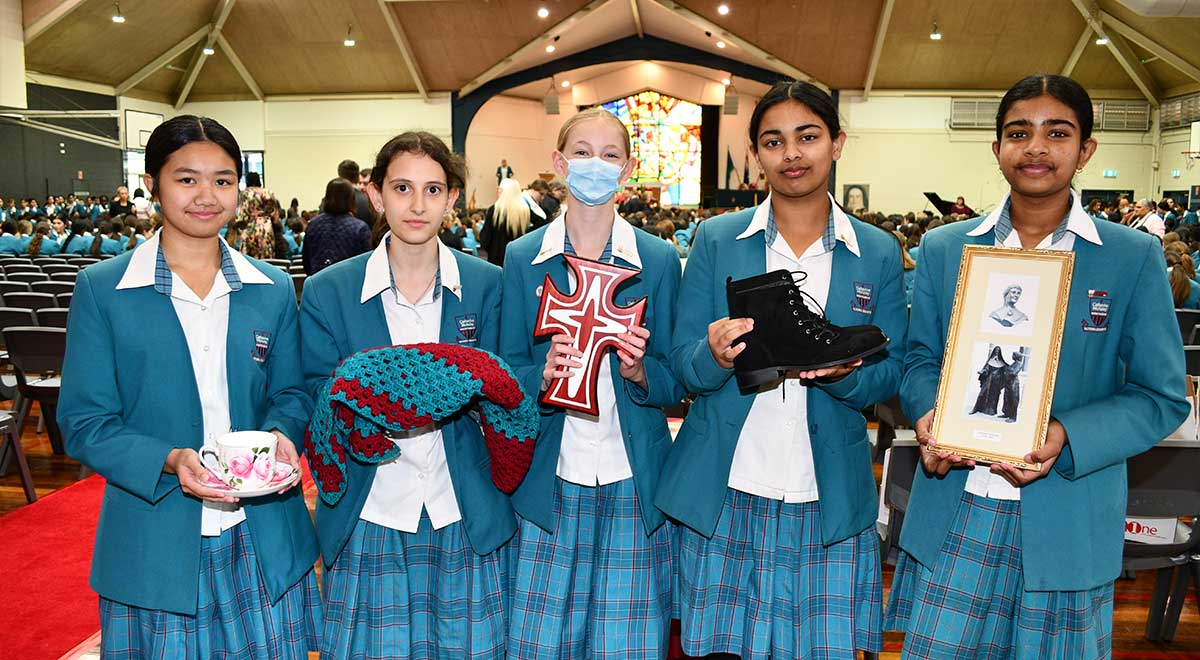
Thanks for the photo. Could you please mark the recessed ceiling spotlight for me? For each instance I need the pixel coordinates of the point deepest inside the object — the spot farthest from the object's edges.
(720, 44)
(1101, 41)
(723, 9)
(550, 48)
(936, 35)
(566, 83)
(542, 12)
(208, 50)
(117, 17)
(725, 81)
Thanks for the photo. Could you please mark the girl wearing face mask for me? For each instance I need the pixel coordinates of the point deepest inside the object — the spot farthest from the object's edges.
(592, 566)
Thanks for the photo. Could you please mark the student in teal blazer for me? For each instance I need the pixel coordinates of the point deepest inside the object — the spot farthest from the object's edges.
(1009, 563)
(168, 347)
(777, 553)
(413, 549)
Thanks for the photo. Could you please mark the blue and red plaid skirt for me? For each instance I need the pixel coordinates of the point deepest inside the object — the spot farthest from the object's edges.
(764, 586)
(234, 619)
(597, 588)
(422, 595)
(971, 604)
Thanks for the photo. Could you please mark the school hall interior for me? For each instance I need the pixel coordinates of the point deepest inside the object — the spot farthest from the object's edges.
(305, 85)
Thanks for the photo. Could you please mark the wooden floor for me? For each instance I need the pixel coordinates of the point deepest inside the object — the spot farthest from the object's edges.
(51, 472)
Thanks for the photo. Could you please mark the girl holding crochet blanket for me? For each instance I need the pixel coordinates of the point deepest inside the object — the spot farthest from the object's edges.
(592, 572)
(412, 545)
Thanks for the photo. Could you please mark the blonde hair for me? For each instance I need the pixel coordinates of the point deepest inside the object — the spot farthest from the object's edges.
(511, 212)
(593, 113)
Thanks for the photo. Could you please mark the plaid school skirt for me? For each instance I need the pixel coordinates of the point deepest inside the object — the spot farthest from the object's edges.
(764, 586)
(598, 587)
(426, 595)
(234, 617)
(971, 603)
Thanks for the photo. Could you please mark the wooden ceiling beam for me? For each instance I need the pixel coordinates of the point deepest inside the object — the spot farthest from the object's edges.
(709, 26)
(1080, 46)
(557, 29)
(50, 18)
(224, 7)
(1157, 49)
(401, 39)
(1124, 54)
(162, 60)
(885, 17)
(241, 68)
(637, 19)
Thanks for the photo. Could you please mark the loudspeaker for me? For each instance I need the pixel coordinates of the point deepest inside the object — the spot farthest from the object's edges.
(551, 104)
(731, 104)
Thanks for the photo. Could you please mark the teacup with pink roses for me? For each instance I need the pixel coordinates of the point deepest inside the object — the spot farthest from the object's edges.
(245, 460)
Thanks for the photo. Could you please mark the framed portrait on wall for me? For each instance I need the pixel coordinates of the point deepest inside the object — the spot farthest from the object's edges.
(856, 196)
(1002, 350)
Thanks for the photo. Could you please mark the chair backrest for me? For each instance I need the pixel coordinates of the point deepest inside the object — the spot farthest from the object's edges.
(64, 277)
(32, 301)
(52, 269)
(1187, 318)
(296, 268)
(12, 317)
(278, 262)
(298, 283)
(52, 317)
(35, 350)
(28, 278)
(44, 261)
(52, 287)
(26, 267)
(1191, 356)
(904, 460)
(7, 287)
(1164, 481)
(64, 300)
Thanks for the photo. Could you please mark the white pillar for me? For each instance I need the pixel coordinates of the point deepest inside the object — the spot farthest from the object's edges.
(12, 55)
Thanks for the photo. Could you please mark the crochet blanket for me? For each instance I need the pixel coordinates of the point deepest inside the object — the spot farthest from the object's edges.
(401, 388)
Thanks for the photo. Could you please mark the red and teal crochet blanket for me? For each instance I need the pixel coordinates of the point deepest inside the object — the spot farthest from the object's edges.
(401, 388)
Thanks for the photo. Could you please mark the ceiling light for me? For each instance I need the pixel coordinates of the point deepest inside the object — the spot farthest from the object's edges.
(566, 83)
(117, 17)
(724, 81)
(542, 12)
(720, 44)
(1101, 41)
(208, 50)
(349, 41)
(723, 9)
(550, 48)
(936, 35)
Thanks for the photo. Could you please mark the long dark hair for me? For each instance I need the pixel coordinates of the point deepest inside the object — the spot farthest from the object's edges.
(1071, 93)
(418, 142)
(103, 229)
(809, 94)
(182, 130)
(77, 229)
(339, 197)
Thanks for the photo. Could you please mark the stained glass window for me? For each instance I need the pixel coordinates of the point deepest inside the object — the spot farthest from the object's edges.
(666, 141)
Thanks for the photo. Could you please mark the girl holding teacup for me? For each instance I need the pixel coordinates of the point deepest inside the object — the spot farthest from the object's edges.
(169, 347)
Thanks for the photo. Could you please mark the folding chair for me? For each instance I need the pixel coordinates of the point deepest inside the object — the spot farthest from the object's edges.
(64, 277)
(27, 278)
(52, 287)
(27, 267)
(902, 465)
(49, 261)
(11, 444)
(13, 287)
(37, 358)
(51, 269)
(34, 301)
(51, 317)
(1187, 318)
(64, 300)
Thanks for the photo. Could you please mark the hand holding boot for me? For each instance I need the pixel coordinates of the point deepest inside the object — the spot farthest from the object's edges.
(935, 461)
(722, 333)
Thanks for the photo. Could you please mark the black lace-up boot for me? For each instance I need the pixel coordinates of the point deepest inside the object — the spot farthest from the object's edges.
(789, 335)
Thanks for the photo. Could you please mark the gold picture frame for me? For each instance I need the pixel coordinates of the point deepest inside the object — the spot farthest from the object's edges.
(1001, 354)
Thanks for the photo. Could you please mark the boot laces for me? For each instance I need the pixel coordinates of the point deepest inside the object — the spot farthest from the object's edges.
(817, 325)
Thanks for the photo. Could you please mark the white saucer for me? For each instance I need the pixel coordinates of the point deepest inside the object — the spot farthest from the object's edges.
(256, 492)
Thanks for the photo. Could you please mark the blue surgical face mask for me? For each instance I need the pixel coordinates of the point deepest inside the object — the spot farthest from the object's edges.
(593, 181)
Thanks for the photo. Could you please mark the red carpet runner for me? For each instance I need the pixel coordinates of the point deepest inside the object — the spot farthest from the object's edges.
(45, 556)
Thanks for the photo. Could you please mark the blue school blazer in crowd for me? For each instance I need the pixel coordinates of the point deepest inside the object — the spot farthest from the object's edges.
(334, 325)
(694, 481)
(644, 426)
(1119, 390)
(129, 396)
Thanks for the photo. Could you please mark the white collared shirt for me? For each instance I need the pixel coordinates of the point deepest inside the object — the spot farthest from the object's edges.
(1153, 223)
(534, 207)
(419, 478)
(982, 481)
(773, 457)
(205, 324)
(593, 447)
